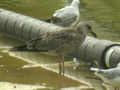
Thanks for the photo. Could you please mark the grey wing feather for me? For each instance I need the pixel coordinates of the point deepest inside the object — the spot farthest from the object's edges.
(67, 15)
(112, 73)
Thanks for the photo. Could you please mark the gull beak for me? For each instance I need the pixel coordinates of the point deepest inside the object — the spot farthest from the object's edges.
(94, 34)
(90, 30)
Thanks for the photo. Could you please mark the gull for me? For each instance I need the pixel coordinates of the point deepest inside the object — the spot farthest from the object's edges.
(60, 42)
(67, 16)
(109, 76)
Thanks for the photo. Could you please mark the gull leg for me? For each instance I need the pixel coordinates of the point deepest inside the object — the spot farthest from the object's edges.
(60, 67)
(63, 65)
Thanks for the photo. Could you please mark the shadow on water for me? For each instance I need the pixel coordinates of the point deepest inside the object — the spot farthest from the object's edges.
(104, 17)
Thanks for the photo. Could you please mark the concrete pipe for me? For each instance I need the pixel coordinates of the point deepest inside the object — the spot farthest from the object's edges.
(23, 27)
(104, 52)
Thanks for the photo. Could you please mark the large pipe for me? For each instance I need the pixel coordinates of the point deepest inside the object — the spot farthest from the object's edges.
(106, 53)
(23, 27)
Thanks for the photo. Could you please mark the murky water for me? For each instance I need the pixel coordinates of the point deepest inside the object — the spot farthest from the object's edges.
(103, 15)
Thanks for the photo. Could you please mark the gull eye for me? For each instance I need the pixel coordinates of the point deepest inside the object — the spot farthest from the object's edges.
(88, 26)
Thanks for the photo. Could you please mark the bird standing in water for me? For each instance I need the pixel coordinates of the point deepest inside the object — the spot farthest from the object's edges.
(109, 76)
(61, 42)
(67, 16)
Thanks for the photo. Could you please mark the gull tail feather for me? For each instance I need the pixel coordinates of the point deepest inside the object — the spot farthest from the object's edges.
(48, 20)
(24, 48)
(19, 48)
(96, 69)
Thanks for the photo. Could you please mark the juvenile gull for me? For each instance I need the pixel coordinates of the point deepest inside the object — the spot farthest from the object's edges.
(109, 76)
(61, 42)
(67, 16)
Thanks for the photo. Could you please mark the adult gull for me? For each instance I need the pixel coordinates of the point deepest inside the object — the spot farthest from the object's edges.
(67, 16)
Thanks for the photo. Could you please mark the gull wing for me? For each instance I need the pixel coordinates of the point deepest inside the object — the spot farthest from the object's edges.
(67, 15)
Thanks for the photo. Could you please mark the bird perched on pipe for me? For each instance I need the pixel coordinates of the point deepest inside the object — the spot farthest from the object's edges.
(67, 16)
(61, 42)
(109, 76)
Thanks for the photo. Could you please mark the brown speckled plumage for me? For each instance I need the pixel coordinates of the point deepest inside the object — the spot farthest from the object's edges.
(61, 42)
